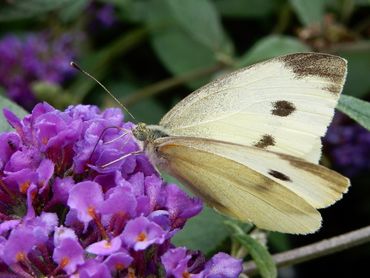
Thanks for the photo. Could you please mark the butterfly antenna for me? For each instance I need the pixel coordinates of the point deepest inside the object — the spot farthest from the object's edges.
(74, 65)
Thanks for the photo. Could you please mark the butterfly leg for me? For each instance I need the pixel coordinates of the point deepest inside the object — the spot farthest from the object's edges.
(126, 131)
(119, 159)
(102, 134)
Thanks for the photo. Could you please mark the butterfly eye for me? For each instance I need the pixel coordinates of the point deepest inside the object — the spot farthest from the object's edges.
(140, 133)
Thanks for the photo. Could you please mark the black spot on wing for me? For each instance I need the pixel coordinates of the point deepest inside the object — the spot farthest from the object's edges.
(279, 175)
(265, 141)
(282, 108)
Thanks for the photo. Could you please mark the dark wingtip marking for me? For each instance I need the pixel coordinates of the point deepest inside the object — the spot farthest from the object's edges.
(318, 64)
(334, 88)
(265, 141)
(282, 108)
(279, 175)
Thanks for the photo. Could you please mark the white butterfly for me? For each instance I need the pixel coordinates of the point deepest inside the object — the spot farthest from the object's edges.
(248, 143)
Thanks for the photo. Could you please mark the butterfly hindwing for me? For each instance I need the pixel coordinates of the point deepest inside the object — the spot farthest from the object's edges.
(217, 172)
(284, 105)
(318, 185)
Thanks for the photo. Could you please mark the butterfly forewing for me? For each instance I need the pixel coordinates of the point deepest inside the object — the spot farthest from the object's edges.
(284, 104)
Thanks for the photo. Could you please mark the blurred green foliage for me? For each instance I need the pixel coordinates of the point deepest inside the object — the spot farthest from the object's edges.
(158, 51)
(5, 103)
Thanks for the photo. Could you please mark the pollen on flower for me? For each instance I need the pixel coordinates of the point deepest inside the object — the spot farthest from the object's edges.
(119, 266)
(91, 212)
(24, 186)
(185, 274)
(44, 140)
(107, 244)
(21, 256)
(141, 237)
(64, 262)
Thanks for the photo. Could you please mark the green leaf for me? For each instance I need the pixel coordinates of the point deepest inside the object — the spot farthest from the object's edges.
(73, 10)
(181, 54)
(246, 8)
(258, 252)
(309, 11)
(52, 94)
(358, 56)
(204, 232)
(362, 2)
(200, 19)
(99, 63)
(186, 42)
(272, 46)
(279, 241)
(16, 109)
(148, 110)
(356, 109)
(260, 255)
(20, 9)
(132, 10)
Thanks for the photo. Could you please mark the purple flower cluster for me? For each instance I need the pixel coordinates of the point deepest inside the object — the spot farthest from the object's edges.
(37, 57)
(64, 214)
(348, 145)
(105, 16)
(102, 16)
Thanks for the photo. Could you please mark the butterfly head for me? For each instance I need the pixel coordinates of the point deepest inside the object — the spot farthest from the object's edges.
(141, 132)
(148, 133)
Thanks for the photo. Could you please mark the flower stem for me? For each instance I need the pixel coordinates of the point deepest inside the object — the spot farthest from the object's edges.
(316, 250)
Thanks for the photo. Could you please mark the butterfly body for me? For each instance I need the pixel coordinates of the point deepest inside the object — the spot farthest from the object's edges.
(248, 143)
(147, 136)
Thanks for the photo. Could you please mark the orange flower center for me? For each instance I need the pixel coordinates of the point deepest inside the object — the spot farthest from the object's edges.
(24, 186)
(119, 266)
(91, 212)
(107, 244)
(44, 140)
(20, 257)
(141, 236)
(64, 262)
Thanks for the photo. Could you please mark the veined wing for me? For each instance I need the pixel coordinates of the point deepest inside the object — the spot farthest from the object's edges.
(284, 105)
(275, 191)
